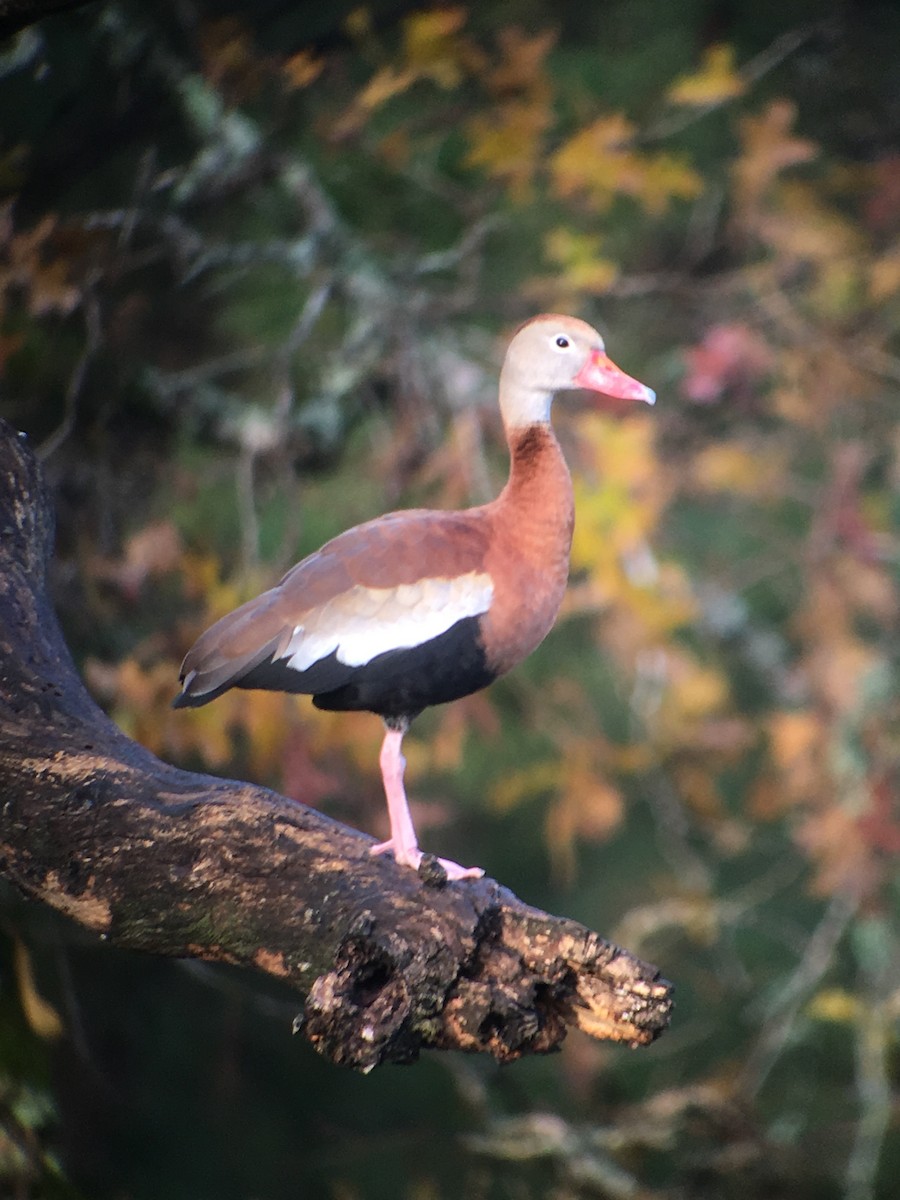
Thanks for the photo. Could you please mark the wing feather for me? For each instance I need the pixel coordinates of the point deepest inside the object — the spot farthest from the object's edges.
(392, 583)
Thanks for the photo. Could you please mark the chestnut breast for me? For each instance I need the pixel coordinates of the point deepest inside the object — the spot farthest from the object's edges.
(528, 555)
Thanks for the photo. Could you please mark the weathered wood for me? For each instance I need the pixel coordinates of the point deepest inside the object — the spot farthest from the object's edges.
(162, 860)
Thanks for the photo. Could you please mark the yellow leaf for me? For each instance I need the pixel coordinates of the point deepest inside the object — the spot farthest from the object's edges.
(834, 1004)
(717, 80)
(601, 162)
(596, 160)
(618, 496)
(431, 46)
(666, 177)
(41, 1016)
(431, 50)
(578, 255)
(508, 142)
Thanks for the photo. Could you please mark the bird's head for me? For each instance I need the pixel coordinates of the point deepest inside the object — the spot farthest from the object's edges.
(551, 353)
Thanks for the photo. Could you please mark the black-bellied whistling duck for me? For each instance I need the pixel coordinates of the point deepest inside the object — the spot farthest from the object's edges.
(421, 607)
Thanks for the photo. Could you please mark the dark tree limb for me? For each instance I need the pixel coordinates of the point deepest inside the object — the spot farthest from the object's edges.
(161, 860)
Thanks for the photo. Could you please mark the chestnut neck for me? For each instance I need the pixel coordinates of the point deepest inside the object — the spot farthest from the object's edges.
(537, 498)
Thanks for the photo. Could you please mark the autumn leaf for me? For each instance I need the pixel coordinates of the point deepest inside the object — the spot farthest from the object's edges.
(716, 80)
(597, 161)
(617, 488)
(798, 746)
(731, 355)
(666, 177)
(302, 69)
(384, 85)
(431, 47)
(431, 50)
(34, 263)
(768, 147)
(508, 142)
(579, 257)
(601, 162)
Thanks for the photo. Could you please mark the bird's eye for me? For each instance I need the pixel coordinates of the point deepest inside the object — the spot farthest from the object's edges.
(562, 342)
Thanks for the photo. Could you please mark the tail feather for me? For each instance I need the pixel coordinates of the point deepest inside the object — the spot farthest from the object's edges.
(203, 679)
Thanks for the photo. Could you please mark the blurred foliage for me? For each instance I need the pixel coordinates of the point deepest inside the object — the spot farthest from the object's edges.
(253, 269)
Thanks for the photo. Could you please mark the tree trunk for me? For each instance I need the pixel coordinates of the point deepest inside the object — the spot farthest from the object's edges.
(162, 860)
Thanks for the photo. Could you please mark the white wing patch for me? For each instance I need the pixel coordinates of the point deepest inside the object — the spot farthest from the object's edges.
(365, 622)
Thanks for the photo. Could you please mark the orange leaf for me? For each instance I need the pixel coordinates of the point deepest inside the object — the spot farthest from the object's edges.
(768, 148)
(301, 69)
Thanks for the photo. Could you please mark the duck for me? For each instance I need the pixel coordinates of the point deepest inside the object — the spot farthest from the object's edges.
(421, 607)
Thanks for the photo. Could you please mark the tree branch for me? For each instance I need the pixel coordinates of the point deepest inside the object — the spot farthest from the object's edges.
(162, 860)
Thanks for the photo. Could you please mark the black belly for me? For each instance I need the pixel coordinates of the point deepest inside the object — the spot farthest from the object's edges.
(400, 683)
(397, 683)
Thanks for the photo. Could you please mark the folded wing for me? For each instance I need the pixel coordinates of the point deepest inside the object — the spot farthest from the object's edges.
(395, 583)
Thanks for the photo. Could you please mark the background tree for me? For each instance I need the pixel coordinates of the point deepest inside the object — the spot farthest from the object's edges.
(252, 271)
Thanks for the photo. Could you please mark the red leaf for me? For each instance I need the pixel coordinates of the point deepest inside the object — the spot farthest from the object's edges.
(730, 356)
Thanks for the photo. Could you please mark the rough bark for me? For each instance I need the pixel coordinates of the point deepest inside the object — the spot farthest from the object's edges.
(162, 860)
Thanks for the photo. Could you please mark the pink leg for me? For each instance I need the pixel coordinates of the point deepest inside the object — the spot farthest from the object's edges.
(403, 841)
